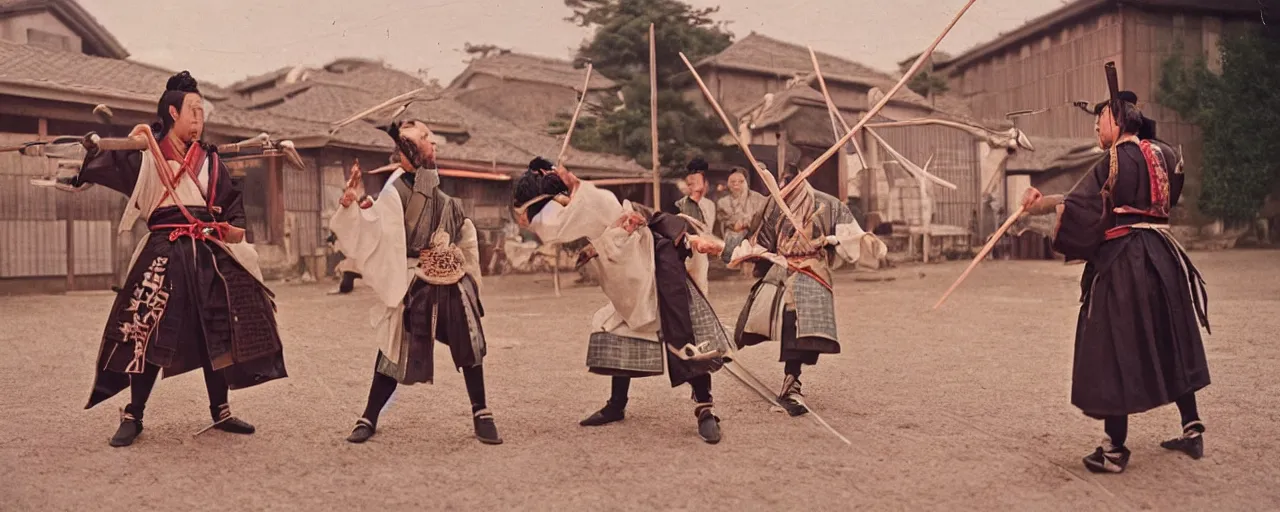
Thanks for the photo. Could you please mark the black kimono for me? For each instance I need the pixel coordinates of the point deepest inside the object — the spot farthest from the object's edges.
(1138, 342)
(187, 301)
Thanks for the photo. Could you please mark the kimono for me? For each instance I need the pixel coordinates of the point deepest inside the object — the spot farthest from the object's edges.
(384, 242)
(189, 300)
(792, 301)
(732, 210)
(1143, 302)
(704, 212)
(652, 298)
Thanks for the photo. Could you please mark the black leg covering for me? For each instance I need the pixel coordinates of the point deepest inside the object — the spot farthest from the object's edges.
(701, 388)
(140, 386)
(792, 368)
(379, 393)
(1190, 413)
(216, 385)
(619, 392)
(1117, 428)
(348, 282)
(474, 377)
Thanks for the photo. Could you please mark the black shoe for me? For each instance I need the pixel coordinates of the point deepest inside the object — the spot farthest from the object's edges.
(791, 399)
(235, 426)
(1107, 459)
(129, 429)
(224, 421)
(708, 423)
(486, 430)
(363, 431)
(1191, 442)
(609, 414)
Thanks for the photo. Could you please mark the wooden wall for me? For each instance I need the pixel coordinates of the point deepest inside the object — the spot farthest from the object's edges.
(1049, 71)
(41, 228)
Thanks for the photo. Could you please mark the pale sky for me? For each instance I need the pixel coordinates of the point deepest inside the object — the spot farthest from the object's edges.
(225, 40)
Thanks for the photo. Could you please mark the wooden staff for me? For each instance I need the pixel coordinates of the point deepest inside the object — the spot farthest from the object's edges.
(767, 178)
(653, 118)
(555, 270)
(586, 83)
(983, 253)
(924, 56)
(831, 105)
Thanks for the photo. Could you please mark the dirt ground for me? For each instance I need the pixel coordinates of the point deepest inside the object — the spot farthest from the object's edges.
(967, 407)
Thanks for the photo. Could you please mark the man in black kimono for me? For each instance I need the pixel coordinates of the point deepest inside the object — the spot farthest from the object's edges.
(417, 250)
(194, 296)
(1138, 342)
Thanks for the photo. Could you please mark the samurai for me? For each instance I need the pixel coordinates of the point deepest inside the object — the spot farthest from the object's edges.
(418, 251)
(656, 312)
(702, 210)
(1138, 344)
(194, 295)
(792, 301)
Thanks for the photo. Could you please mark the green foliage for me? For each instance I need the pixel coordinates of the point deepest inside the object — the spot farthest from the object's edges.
(928, 84)
(620, 51)
(1238, 113)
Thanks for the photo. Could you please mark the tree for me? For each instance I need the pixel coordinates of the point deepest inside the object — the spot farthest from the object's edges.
(928, 84)
(620, 51)
(1238, 114)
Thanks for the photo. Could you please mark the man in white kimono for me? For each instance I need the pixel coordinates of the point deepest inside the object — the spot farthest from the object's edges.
(655, 311)
(793, 301)
(418, 252)
(697, 206)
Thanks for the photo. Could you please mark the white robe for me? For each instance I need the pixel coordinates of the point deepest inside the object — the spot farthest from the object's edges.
(145, 200)
(374, 240)
(625, 263)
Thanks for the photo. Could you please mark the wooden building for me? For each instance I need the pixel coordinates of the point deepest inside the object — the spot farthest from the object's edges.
(770, 88)
(1058, 58)
(528, 90)
(56, 64)
(478, 154)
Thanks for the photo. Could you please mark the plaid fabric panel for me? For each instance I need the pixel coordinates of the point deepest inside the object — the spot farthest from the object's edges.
(611, 351)
(815, 308)
(706, 325)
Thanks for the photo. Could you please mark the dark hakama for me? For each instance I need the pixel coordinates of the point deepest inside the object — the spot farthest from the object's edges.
(186, 303)
(1138, 343)
(685, 316)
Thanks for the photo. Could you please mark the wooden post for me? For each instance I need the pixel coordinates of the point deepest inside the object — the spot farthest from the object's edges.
(275, 202)
(653, 118)
(782, 154)
(69, 200)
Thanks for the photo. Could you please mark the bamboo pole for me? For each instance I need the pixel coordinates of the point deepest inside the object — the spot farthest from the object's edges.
(653, 118)
(831, 105)
(924, 56)
(986, 249)
(573, 122)
(769, 182)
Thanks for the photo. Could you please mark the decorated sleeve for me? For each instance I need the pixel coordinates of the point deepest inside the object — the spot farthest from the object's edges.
(1082, 211)
(116, 170)
(853, 242)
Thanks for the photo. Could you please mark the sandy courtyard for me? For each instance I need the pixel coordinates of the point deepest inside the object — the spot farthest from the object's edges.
(964, 408)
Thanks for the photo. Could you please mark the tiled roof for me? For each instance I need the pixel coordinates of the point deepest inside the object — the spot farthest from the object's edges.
(118, 83)
(95, 37)
(331, 96)
(762, 54)
(531, 68)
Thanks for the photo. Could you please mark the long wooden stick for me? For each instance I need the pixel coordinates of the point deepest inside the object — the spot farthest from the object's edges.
(909, 165)
(586, 84)
(983, 253)
(653, 118)
(831, 105)
(924, 56)
(335, 126)
(555, 270)
(767, 178)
